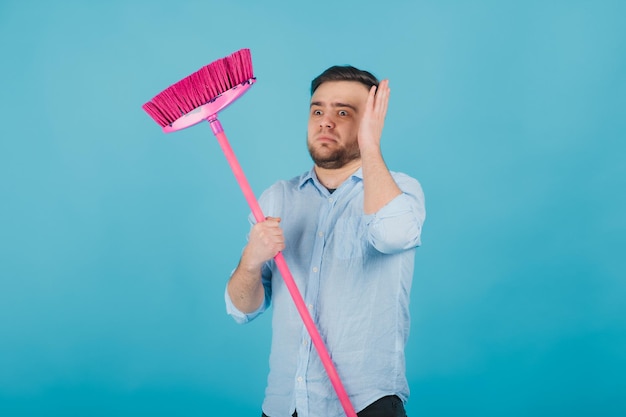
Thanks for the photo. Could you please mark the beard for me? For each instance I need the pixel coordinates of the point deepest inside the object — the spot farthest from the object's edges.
(325, 157)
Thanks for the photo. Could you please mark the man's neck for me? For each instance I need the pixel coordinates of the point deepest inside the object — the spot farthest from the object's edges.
(333, 178)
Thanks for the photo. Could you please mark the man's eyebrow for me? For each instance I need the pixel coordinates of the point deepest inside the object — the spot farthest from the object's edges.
(335, 104)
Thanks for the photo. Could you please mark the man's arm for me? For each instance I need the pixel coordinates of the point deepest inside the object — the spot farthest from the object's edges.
(398, 225)
(378, 185)
(245, 287)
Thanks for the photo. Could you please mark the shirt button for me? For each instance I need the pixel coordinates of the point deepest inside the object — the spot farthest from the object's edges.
(304, 343)
(299, 379)
(320, 234)
(310, 306)
(330, 199)
(314, 269)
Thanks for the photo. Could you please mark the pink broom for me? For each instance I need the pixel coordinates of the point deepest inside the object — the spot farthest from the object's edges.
(199, 97)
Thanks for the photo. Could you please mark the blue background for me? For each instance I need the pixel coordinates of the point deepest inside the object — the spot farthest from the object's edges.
(116, 240)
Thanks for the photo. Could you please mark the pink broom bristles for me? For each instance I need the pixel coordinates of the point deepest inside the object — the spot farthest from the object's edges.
(201, 87)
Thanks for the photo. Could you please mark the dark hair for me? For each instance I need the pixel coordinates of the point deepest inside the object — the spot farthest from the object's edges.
(344, 73)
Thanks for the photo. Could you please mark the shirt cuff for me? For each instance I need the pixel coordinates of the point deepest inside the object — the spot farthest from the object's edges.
(398, 205)
(396, 226)
(237, 314)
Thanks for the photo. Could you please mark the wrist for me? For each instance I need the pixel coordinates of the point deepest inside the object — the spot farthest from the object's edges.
(371, 151)
(249, 264)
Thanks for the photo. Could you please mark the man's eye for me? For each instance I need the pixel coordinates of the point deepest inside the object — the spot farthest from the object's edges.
(317, 112)
(343, 113)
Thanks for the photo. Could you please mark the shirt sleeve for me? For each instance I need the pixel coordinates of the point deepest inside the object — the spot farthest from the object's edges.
(268, 204)
(398, 225)
(241, 317)
(238, 315)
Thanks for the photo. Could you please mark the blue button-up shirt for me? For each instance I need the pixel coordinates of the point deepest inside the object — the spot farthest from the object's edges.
(354, 272)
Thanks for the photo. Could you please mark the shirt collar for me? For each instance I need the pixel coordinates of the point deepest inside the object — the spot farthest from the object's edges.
(311, 177)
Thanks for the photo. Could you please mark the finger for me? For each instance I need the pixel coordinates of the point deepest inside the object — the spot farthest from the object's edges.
(267, 241)
(271, 234)
(382, 98)
(371, 98)
(270, 223)
(276, 234)
(271, 230)
(382, 93)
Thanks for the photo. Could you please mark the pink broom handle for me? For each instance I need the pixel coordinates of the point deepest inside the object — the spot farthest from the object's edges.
(216, 126)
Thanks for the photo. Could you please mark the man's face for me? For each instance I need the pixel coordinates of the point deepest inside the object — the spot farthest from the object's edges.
(334, 118)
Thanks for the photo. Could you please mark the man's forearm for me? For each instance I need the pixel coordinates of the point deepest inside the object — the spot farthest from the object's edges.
(245, 288)
(379, 187)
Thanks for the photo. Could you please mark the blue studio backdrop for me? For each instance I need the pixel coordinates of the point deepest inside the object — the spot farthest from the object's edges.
(116, 240)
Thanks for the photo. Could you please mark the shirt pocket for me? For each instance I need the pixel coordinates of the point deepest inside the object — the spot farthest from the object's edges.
(349, 241)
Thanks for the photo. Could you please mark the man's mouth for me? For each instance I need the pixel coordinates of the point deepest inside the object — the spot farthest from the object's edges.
(326, 139)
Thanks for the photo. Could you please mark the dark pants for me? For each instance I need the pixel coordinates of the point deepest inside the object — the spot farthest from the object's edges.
(389, 406)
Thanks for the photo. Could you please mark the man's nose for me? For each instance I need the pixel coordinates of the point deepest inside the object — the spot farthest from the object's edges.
(327, 122)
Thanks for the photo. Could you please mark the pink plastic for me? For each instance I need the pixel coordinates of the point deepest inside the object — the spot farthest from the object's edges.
(210, 109)
(203, 93)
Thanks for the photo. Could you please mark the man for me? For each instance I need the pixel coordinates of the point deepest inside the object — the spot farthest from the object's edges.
(348, 230)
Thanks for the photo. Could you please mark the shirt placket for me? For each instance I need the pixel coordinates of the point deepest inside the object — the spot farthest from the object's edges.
(310, 299)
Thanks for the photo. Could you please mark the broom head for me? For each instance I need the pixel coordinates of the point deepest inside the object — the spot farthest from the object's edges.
(203, 94)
